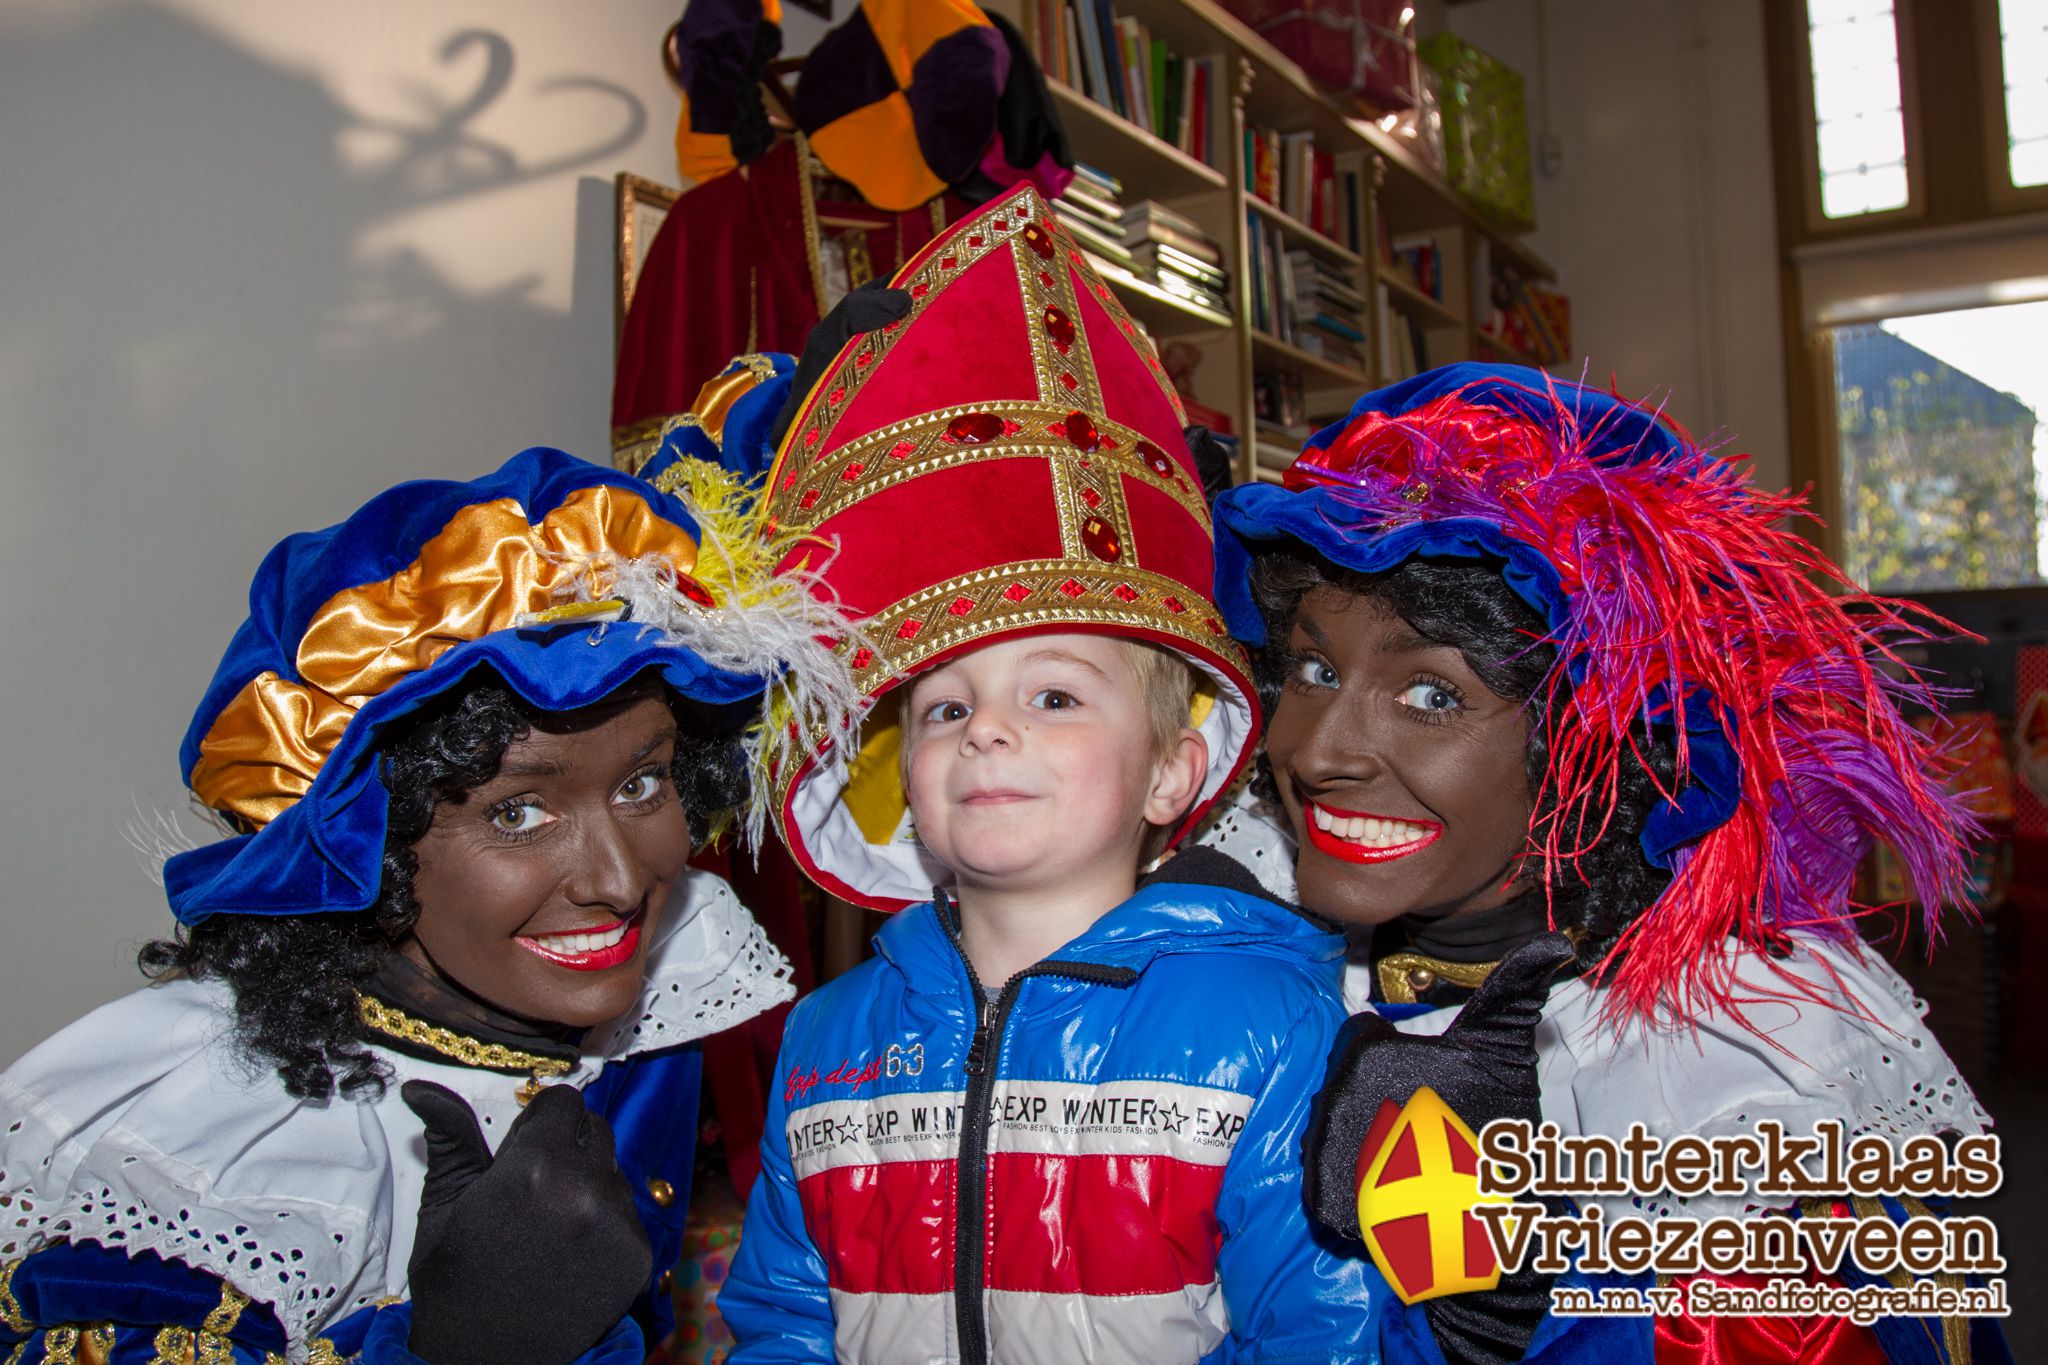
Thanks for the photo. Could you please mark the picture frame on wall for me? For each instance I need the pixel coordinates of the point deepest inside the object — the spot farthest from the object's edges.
(643, 205)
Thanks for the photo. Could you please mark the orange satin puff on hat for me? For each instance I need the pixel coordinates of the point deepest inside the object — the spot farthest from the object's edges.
(1006, 459)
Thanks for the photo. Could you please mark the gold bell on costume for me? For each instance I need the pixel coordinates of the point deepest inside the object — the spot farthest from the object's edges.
(1007, 459)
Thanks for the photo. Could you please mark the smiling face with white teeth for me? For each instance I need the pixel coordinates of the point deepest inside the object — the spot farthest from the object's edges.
(1402, 774)
(541, 889)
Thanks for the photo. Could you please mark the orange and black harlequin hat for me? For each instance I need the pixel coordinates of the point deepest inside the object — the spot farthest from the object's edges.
(1005, 460)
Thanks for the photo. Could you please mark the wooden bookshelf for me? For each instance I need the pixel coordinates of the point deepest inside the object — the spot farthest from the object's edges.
(1399, 199)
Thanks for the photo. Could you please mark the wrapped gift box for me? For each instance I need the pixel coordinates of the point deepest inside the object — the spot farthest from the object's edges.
(1356, 50)
(1486, 130)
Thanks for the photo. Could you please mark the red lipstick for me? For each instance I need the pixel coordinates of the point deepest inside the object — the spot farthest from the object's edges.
(1350, 850)
(552, 948)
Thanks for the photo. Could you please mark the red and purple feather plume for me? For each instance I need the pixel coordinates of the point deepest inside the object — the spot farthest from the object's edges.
(1679, 579)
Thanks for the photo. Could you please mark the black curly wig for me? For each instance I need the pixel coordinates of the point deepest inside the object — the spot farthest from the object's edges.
(295, 977)
(1470, 607)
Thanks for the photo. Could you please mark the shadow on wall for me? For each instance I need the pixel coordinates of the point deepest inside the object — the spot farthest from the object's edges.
(200, 352)
(184, 221)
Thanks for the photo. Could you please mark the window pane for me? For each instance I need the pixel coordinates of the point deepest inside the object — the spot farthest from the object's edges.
(2030, 163)
(2023, 39)
(1859, 127)
(1943, 459)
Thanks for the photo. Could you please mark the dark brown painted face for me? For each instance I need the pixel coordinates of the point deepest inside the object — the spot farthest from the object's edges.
(1402, 774)
(542, 889)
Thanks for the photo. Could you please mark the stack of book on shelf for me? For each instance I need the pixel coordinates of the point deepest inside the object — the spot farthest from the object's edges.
(1116, 62)
(1529, 317)
(1173, 252)
(1404, 344)
(1090, 211)
(1415, 260)
(1302, 180)
(1280, 419)
(1327, 314)
(1304, 300)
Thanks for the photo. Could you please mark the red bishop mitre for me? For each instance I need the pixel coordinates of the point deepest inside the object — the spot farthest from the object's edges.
(1005, 460)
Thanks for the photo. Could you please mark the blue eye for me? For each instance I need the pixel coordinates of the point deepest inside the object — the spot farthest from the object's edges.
(1429, 696)
(522, 815)
(1315, 673)
(1054, 699)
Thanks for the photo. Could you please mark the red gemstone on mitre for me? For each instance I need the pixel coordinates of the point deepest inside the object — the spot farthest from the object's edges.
(1039, 240)
(836, 394)
(1059, 327)
(918, 291)
(948, 262)
(973, 428)
(1016, 592)
(962, 605)
(1069, 380)
(852, 471)
(863, 359)
(1175, 605)
(1081, 432)
(1155, 459)
(1072, 588)
(695, 591)
(902, 450)
(909, 628)
(975, 240)
(808, 500)
(863, 656)
(1098, 537)
(1092, 498)
(1045, 279)
(1124, 592)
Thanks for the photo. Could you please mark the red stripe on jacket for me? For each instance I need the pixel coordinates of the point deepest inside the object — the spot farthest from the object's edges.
(1102, 1225)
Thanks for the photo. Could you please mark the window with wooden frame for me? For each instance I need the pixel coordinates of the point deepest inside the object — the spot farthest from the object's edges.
(1910, 222)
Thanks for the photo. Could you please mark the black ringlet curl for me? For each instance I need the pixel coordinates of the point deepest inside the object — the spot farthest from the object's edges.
(1469, 606)
(295, 977)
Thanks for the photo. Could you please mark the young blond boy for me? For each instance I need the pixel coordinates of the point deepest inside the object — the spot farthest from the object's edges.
(1057, 1117)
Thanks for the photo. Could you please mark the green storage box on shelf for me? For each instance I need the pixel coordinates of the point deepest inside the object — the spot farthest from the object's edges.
(1486, 130)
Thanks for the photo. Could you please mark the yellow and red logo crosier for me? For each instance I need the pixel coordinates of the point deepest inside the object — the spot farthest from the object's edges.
(1418, 1183)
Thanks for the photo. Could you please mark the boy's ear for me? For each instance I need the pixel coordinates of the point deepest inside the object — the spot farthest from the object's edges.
(1177, 778)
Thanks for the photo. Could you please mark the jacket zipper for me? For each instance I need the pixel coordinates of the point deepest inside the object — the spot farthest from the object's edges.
(970, 1228)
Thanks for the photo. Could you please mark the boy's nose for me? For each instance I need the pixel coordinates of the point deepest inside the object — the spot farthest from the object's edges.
(992, 727)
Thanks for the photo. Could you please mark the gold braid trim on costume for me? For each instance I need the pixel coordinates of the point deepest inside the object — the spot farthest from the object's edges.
(60, 1346)
(10, 1309)
(396, 1023)
(174, 1346)
(1404, 976)
(320, 1352)
(213, 1346)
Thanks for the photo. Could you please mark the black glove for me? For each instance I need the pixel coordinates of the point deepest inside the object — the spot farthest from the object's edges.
(533, 1255)
(1212, 461)
(1484, 1067)
(872, 305)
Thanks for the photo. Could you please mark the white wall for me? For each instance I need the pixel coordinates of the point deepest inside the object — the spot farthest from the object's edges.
(1660, 217)
(257, 262)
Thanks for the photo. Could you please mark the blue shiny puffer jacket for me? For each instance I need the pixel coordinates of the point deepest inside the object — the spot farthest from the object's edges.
(1099, 1161)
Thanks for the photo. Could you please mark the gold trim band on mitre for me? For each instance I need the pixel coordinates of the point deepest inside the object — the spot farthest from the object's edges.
(917, 445)
(1050, 593)
(925, 279)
